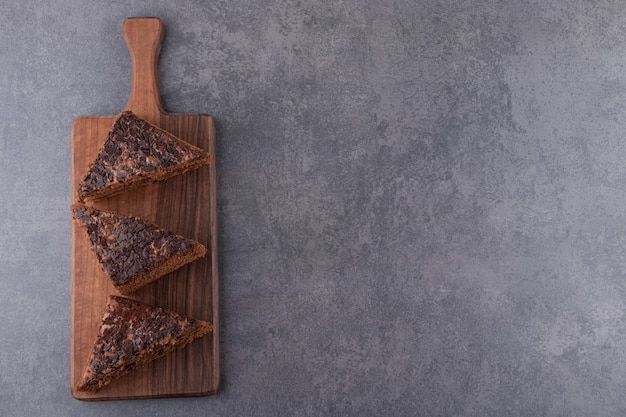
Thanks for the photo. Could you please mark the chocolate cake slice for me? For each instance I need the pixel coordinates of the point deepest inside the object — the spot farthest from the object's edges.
(132, 334)
(136, 153)
(131, 251)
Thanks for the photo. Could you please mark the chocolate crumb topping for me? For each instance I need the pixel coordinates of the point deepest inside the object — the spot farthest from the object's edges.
(133, 333)
(136, 152)
(129, 248)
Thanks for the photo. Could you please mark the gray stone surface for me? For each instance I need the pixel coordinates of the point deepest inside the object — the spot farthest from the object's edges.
(421, 203)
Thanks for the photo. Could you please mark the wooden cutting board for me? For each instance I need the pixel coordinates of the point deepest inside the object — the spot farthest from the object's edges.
(185, 205)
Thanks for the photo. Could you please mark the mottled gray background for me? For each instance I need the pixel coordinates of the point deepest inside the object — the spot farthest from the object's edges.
(421, 203)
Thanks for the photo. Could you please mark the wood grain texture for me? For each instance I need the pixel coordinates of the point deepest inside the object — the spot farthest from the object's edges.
(185, 204)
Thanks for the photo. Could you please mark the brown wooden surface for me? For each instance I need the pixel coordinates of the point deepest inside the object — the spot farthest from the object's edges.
(185, 205)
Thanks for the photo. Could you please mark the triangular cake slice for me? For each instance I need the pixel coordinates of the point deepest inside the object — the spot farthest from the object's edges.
(131, 251)
(132, 334)
(136, 153)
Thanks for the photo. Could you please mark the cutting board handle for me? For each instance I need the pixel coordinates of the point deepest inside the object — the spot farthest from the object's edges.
(143, 36)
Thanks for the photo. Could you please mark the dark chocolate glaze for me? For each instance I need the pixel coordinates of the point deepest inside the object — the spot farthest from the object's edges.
(126, 246)
(135, 148)
(133, 333)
